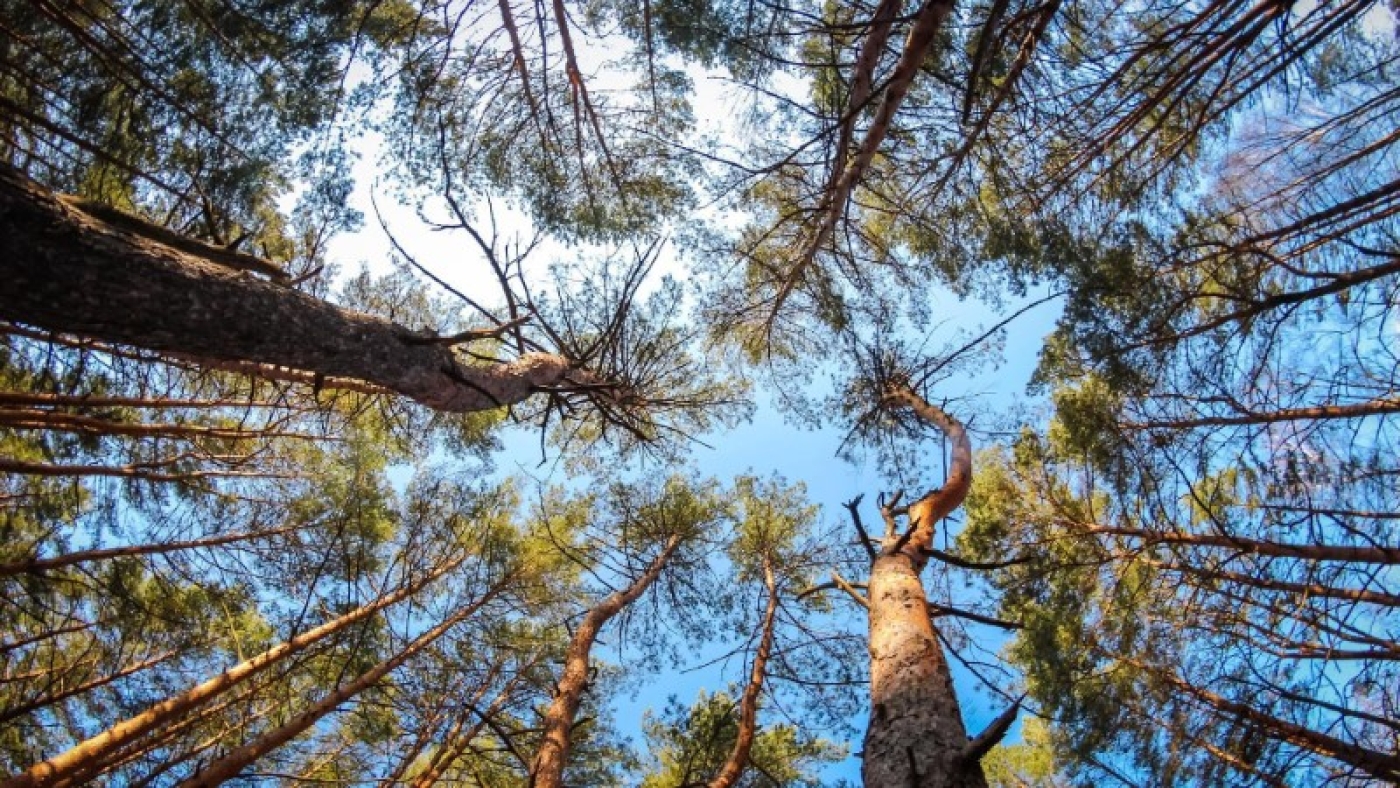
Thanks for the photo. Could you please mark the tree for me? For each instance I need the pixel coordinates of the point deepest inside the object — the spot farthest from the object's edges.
(91, 756)
(1207, 444)
(785, 661)
(667, 520)
(1198, 260)
(197, 423)
(916, 734)
(78, 273)
(1031, 763)
(688, 743)
(1203, 624)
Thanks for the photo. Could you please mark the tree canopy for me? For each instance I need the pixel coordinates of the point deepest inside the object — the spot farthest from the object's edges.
(255, 510)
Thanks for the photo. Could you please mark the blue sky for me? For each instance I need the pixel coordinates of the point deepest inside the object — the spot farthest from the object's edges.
(765, 446)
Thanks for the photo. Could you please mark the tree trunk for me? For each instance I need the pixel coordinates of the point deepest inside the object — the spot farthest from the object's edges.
(1376, 763)
(738, 759)
(832, 207)
(915, 738)
(1236, 545)
(72, 268)
(553, 755)
(94, 749)
(456, 741)
(49, 699)
(38, 565)
(238, 759)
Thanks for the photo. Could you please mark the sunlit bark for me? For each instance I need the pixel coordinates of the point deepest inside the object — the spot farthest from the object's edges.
(733, 768)
(548, 768)
(236, 760)
(915, 737)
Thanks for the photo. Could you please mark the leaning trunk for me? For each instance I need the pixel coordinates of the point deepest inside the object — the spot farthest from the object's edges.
(240, 758)
(733, 768)
(94, 750)
(915, 737)
(77, 268)
(553, 755)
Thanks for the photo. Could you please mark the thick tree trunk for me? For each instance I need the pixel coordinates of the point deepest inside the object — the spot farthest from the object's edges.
(915, 738)
(71, 268)
(553, 755)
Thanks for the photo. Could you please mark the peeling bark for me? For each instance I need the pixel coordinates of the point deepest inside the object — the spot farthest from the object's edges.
(69, 270)
(916, 737)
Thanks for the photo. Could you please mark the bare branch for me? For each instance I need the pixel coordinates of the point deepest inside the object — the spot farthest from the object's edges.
(993, 733)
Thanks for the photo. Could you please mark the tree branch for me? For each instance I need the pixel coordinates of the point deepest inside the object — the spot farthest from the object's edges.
(852, 506)
(993, 733)
(71, 271)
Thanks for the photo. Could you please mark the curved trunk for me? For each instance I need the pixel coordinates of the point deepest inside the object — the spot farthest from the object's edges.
(915, 737)
(548, 769)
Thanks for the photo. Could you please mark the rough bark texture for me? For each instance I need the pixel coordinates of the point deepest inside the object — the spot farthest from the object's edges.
(553, 755)
(66, 269)
(915, 737)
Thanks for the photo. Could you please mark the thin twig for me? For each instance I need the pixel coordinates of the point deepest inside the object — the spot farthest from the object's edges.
(944, 610)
